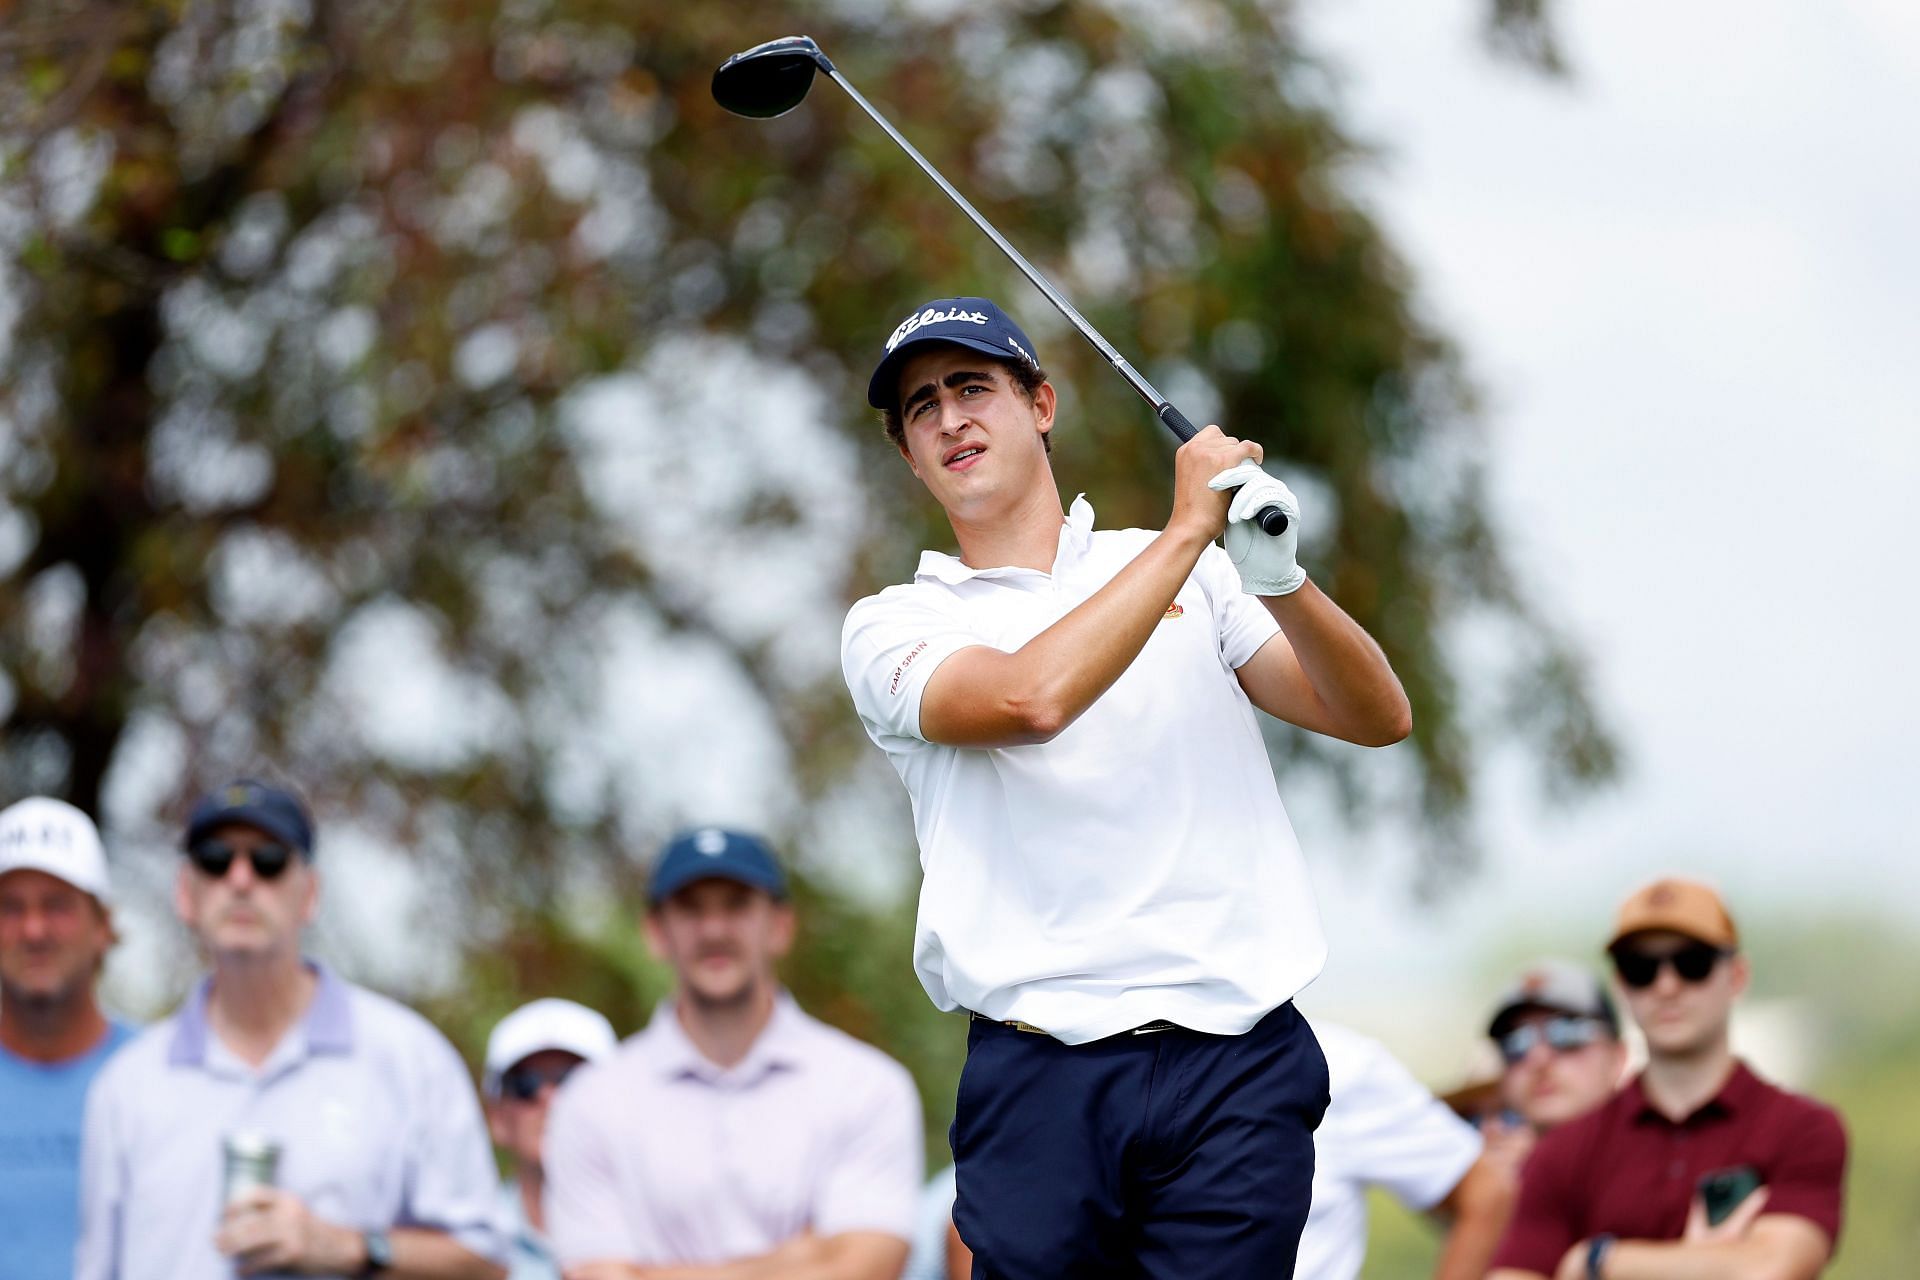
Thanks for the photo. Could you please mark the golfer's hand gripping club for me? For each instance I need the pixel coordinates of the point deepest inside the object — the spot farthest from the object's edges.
(1268, 564)
(1272, 518)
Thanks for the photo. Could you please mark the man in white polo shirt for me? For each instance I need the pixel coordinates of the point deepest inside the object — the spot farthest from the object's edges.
(735, 1138)
(55, 931)
(1112, 885)
(1384, 1129)
(383, 1166)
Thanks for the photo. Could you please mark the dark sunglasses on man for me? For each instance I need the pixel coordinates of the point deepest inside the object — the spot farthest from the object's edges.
(1640, 969)
(214, 858)
(1562, 1035)
(523, 1084)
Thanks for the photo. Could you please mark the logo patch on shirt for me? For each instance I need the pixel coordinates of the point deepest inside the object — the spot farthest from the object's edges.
(1173, 610)
(893, 685)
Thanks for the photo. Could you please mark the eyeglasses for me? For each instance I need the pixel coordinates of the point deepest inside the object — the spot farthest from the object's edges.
(1640, 969)
(1562, 1035)
(214, 858)
(523, 1084)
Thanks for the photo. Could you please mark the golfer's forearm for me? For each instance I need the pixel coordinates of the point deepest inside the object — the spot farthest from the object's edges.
(982, 697)
(1349, 675)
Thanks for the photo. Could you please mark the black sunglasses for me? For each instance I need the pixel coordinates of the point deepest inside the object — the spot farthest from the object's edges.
(214, 858)
(523, 1084)
(1562, 1035)
(1693, 962)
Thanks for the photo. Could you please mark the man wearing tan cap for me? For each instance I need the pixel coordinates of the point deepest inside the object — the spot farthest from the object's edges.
(1697, 1168)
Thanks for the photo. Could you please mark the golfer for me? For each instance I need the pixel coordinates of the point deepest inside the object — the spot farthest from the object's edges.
(1112, 888)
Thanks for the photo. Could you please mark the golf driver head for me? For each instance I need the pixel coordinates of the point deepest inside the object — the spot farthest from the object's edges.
(769, 79)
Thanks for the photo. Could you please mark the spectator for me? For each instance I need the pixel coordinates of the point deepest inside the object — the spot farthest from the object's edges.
(1383, 1129)
(55, 931)
(736, 1136)
(1560, 1051)
(1616, 1194)
(383, 1164)
(530, 1053)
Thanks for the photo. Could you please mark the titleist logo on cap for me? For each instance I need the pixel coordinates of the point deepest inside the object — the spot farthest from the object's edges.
(930, 316)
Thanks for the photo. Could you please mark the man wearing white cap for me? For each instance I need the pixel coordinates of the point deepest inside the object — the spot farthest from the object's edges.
(55, 930)
(529, 1054)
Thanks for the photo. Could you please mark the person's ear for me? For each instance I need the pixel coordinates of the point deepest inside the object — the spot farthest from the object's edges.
(1739, 973)
(785, 928)
(310, 899)
(1044, 404)
(183, 895)
(912, 466)
(656, 937)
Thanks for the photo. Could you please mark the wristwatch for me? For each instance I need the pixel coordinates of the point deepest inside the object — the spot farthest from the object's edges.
(379, 1252)
(1597, 1250)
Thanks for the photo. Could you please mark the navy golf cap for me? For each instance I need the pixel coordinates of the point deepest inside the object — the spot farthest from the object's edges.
(711, 853)
(967, 322)
(256, 804)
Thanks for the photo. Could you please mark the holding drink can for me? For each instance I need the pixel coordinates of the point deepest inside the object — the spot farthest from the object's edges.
(252, 1162)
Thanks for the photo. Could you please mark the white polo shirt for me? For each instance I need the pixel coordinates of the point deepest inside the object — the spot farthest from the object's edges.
(1138, 866)
(1382, 1129)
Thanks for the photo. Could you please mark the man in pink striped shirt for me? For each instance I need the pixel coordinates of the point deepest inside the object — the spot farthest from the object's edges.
(735, 1138)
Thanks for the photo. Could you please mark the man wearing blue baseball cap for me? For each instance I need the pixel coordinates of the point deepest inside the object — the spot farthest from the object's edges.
(382, 1164)
(1113, 889)
(735, 1135)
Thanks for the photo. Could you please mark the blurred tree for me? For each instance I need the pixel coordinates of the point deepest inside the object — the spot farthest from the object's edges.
(449, 408)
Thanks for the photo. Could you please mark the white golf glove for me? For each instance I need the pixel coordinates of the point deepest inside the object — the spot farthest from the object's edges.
(1266, 563)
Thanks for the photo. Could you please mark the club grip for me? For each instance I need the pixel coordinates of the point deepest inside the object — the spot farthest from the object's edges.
(1270, 518)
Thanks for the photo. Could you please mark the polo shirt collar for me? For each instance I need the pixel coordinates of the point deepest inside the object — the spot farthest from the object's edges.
(1738, 1093)
(327, 1024)
(777, 1047)
(1075, 531)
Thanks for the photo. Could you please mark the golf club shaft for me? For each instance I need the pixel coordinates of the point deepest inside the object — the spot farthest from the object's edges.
(1272, 518)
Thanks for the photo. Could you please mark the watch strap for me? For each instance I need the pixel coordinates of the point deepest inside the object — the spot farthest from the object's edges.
(1597, 1250)
(379, 1250)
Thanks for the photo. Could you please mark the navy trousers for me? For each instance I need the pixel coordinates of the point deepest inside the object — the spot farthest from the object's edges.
(1165, 1155)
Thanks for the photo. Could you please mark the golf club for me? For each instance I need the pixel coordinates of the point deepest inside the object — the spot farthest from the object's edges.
(770, 80)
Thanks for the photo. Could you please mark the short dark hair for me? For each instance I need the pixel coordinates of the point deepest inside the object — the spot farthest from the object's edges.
(1025, 377)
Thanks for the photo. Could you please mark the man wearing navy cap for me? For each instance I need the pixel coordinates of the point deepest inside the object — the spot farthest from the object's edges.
(735, 1137)
(1113, 889)
(383, 1164)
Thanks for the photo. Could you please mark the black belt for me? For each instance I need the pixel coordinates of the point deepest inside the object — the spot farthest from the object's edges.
(1145, 1028)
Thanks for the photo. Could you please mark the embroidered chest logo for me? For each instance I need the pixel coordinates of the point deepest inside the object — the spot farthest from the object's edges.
(893, 685)
(1173, 611)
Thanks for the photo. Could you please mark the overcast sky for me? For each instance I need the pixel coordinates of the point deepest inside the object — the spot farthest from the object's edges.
(1688, 281)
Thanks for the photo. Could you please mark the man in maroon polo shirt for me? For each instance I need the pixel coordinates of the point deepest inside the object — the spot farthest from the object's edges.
(1616, 1194)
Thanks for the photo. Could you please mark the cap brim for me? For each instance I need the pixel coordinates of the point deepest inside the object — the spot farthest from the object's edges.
(243, 816)
(1685, 928)
(667, 887)
(883, 389)
(67, 875)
